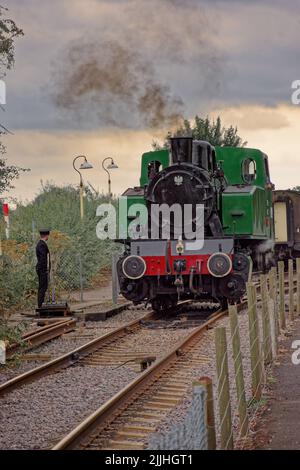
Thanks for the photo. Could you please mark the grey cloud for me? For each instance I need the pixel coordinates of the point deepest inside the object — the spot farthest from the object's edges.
(168, 45)
(118, 76)
(180, 41)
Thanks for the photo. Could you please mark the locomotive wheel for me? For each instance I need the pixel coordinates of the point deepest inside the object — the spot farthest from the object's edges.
(232, 287)
(136, 291)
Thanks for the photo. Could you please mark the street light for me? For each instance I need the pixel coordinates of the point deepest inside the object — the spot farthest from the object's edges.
(84, 166)
(111, 166)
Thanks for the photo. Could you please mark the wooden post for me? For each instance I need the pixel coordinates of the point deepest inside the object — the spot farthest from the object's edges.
(206, 382)
(239, 372)
(80, 276)
(273, 295)
(298, 286)
(265, 320)
(273, 332)
(281, 295)
(223, 389)
(114, 276)
(291, 290)
(256, 366)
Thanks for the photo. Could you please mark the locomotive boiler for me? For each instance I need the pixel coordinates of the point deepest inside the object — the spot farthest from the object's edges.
(233, 188)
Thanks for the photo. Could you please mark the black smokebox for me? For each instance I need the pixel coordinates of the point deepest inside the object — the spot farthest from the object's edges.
(181, 149)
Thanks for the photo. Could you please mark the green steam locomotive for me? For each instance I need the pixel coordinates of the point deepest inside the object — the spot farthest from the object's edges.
(161, 262)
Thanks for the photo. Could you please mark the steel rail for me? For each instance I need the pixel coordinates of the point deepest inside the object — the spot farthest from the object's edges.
(76, 354)
(71, 357)
(39, 336)
(106, 413)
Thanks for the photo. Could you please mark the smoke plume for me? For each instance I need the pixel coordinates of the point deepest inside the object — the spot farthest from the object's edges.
(136, 62)
(117, 84)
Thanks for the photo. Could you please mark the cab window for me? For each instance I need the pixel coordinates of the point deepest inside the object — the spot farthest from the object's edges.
(154, 167)
(249, 170)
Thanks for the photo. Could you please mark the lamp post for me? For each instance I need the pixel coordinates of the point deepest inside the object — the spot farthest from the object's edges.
(84, 166)
(111, 166)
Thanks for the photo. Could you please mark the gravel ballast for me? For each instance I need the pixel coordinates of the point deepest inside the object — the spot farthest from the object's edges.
(37, 415)
(207, 348)
(84, 333)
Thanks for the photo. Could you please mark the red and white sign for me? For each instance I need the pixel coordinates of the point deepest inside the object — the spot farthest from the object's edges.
(6, 219)
(5, 209)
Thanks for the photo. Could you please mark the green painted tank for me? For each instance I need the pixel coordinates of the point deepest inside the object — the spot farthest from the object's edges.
(246, 203)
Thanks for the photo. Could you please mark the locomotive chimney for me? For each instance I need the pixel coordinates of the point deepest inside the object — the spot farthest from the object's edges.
(181, 150)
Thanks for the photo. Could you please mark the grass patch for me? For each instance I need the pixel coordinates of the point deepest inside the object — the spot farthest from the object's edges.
(12, 334)
(271, 380)
(256, 404)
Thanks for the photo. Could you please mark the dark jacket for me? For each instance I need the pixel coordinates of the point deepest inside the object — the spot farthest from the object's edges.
(43, 257)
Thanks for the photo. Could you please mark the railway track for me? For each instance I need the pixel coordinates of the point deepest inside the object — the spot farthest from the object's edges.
(128, 418)
(102, 350)
(36, 337)
(105, 349)
(126, 421)
(92, 373)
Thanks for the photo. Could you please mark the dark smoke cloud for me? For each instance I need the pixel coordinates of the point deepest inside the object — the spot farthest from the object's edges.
(117, 84)
(127, 69)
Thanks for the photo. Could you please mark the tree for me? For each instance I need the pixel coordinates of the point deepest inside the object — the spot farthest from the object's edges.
(9, 31)
(7, 172)
(206, 129)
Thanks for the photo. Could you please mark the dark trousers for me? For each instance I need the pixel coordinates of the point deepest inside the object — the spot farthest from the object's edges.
(43, 286)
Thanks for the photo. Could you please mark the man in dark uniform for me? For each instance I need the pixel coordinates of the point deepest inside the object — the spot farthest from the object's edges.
(43, 265)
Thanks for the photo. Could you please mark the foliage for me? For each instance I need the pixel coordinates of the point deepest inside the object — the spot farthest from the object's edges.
(8, 173)
(70, 238)
(17, 279)
(256, 404)
(11, 334)
(9, 31)
(15, 251)
(58, 244)
(205, 129)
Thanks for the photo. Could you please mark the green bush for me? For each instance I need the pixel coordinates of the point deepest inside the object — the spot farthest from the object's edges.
(56, 208)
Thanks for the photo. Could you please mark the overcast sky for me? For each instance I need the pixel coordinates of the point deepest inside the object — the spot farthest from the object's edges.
(95, 76)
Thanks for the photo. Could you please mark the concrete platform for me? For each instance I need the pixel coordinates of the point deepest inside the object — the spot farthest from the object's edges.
(86, 311)
(99, 313)
(281, 423)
